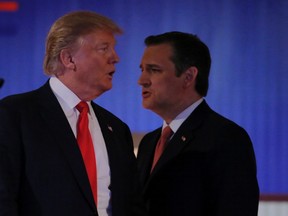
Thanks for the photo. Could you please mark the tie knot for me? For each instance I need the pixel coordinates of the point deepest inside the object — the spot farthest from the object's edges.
(166, 133)
(82, 107)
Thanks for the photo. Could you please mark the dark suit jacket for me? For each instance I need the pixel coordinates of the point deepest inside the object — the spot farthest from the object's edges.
(207, 169)
(41, 168)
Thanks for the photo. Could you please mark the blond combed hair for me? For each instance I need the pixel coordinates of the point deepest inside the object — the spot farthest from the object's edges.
(65, 32)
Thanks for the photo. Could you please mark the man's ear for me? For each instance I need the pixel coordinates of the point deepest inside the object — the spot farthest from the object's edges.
(67, 59)
(190, 76)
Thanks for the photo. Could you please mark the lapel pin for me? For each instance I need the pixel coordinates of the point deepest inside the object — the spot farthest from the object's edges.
(183, 138)
(110, 128)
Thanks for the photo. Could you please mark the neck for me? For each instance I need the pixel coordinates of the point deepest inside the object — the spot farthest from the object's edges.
(169, 115)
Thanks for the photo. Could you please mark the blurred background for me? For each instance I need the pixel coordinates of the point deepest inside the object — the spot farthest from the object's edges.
(249, 74)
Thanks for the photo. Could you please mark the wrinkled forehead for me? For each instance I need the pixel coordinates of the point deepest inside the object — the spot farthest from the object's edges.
(96, 38)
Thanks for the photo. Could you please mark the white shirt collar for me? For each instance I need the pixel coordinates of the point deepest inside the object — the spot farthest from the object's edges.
(177, 122)
(67, 99)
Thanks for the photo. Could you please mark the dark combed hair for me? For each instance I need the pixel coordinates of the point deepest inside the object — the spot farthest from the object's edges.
(188, 50)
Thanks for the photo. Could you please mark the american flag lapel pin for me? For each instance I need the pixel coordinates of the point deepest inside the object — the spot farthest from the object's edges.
(110, 128)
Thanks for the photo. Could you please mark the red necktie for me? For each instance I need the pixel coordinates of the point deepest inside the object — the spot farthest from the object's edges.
(86, 146)
(161, 145)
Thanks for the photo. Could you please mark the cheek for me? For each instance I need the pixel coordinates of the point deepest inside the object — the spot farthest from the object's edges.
(94, 69)
(162, 92)
(93, 60)
(166, 85)
(171, 90)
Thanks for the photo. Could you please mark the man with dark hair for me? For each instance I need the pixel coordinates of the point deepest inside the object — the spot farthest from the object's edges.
(198, 163)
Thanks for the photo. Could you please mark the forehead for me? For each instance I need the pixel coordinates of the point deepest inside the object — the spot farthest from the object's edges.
(160, 49)
(161, 53)
(99, 37)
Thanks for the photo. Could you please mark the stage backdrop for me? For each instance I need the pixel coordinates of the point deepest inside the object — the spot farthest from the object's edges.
(249, 75)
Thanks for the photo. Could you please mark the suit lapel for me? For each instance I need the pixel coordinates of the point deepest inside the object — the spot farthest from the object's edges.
(107, 131)
(59, 127)
(147, 153)
(114, 151)
(183, 137)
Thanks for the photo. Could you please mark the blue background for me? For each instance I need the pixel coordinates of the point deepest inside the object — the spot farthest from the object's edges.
(248, 44)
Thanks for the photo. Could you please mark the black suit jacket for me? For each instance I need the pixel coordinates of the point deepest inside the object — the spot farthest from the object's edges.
(207, 169)
(41, 168)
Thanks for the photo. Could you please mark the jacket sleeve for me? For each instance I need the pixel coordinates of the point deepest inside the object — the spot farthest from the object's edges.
(10, 161)
(234, 184)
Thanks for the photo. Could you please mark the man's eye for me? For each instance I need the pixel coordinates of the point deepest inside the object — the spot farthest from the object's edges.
(103, 49)
(155, 70)
(151, 70)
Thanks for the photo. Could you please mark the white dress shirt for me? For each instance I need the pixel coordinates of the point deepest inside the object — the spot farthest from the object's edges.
(177, 122)
(68, 101)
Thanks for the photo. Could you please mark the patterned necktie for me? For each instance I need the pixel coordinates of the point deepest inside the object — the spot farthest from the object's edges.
(86, 146)
(161, 145)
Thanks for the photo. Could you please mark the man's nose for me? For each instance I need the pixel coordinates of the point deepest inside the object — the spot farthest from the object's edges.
(144, 79)
(114, 57)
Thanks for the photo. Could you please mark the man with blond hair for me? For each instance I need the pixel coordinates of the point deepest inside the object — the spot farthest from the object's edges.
(43, 167)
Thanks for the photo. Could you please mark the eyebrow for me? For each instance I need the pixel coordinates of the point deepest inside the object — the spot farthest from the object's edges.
(150, 65)
(102, 44)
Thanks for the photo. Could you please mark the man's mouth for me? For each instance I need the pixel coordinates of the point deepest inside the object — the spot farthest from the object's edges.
(146, 94)
(111, 73)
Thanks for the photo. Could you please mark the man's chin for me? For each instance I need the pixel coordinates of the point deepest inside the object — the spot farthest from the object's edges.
(107, 87)
(146, 105)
